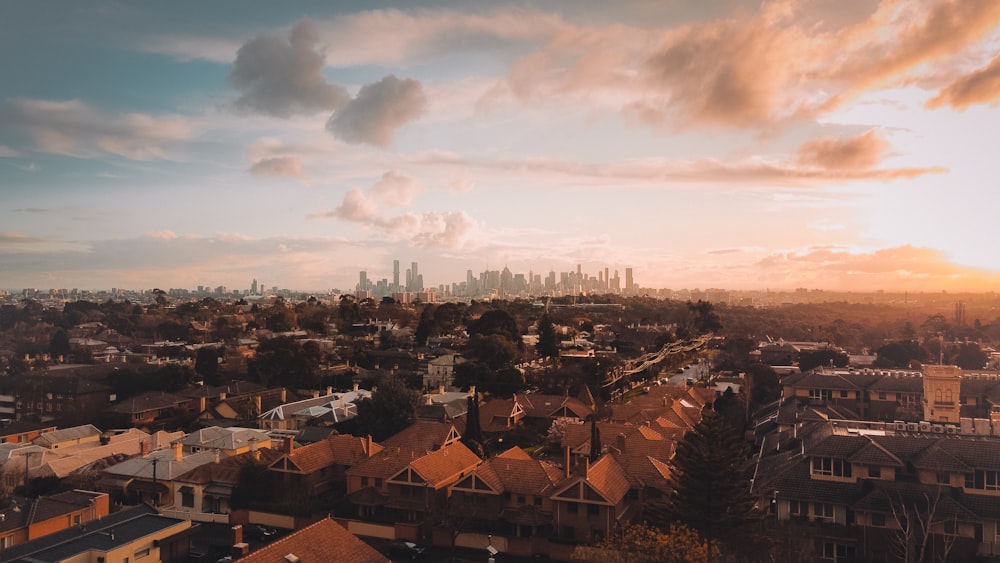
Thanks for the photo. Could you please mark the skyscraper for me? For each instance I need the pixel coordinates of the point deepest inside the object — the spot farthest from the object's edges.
(395, 275)
(629, 283)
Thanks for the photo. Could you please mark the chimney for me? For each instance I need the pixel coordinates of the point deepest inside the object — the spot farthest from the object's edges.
(218, 455)
(567, 461)
(621, 443)
(472, 392)
(441, 389)
(253, 448)
(329, 390)
(316, 394)
(586, 467)
(202, 406)
(289, 444)
(239, 547)
(222, 396)
(428, 401)
(178, 451)
(237, 534)
(368, 446)
(355, 387)
(283, 395)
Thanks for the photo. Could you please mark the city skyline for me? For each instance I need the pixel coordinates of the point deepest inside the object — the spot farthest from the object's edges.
(741, 144)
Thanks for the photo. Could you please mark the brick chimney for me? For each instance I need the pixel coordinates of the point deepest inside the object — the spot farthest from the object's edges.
(621, 443)
(289, 444)
(178, 451)
(144, 446)
(239, 547)
(369, 450)
(329, 390)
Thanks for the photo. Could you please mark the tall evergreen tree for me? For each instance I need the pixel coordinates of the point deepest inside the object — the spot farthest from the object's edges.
(595, 440)
(473, 430)
(391, 408)
(548, 340)
(710, 492)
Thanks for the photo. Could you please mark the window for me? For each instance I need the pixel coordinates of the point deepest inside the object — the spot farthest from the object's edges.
(187, 499)
(820, 394)
(830, 467)
(943, 478)
(822, 511)
(364, 481)
(520, 499)
(573, 508)
(798, 508)
(6, 541)
(378, 482)
(843, 394)
(875, 471)
(76, 520)
(593, 510)
(142, 553)
(881, 395)
(538, 501)
(983, 480)
(950, 528)
(837, 553)
(878, 520)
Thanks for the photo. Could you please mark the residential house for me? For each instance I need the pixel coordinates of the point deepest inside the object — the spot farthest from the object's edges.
(334, 407)
(147, 408)
(69, 437)
(420, 488)
(314, 469)
(508, 494)
(593, 502)
(132, 534)
(150, 477)
(23, 431)
(324, 540)
(228, 441)
(29, 519)
(441, 371)
(857, 490)
(46, 398)
(367, 481)
(204, 494)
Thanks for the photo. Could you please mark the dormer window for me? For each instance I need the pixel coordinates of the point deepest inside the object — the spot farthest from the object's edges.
(830, 467)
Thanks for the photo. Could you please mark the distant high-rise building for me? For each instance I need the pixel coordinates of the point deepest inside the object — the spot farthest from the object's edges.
(363, 281)
(395, 275)
(415, 277)
(629, 282)
(253, 287)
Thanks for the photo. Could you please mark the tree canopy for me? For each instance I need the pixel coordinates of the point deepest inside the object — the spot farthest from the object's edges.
(391, 408)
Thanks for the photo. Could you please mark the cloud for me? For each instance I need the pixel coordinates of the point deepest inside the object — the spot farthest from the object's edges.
(379, 109)
(282, 166)
(165, 234)
(858, 153)
(979, 87)
(282, 77)
(73, 128)
(15, 237)
(7, 152)
(902, 267)
(395, 189)
(356, 206)
(449, 230)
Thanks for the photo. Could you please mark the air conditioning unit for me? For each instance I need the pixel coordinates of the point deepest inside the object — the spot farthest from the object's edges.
(937, 429)
(925, 427)
(951, 430)
(912, 426)
(901, 426)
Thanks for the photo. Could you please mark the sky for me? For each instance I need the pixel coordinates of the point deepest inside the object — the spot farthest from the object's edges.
(732, 144)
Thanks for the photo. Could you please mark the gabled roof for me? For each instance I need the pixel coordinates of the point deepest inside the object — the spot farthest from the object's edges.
(402, 448)
(227, 470)
(439, 467)
(323, 541)
(167, 468)
(514, 471)
(605, 478)
(218, 438)
(154, 400)
(551, 406)
(66, 434)
(336, 449)
(875, 454)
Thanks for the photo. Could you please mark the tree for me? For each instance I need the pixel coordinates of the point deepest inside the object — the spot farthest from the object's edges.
(705, 317)
(709, 492)
(285, 362)
(473, 428)
(918, 518)
(498, 322)
(644, 544)
(548, 340)
(426, 327)
(206, 364)
(899, 354)
(824, 357)
(59, 346)
(595, 440)
(970, 356)
(391, 408)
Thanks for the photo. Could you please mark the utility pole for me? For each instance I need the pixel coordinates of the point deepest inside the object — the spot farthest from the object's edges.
(155, 494)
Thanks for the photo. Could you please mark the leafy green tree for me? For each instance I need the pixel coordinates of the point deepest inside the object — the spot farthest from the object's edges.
(899, 354)
(709, 491)
(391, 408)
(285, 362)
(548, 340)
(426, 326)
(970, 356)
(473, 429)
(494, 350)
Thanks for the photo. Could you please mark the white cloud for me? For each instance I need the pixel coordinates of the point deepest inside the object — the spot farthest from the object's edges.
(73, 128)
(395, 189)
(281, 166)
(7, 152)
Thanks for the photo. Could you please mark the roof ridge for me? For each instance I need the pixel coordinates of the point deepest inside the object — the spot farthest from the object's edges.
(292, 535)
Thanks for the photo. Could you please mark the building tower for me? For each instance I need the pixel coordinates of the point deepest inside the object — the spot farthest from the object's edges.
(395, 275)
(942, 386)
(629, 282)
(253, 287)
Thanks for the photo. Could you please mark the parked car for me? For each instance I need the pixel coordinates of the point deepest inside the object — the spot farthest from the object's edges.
(407, 549)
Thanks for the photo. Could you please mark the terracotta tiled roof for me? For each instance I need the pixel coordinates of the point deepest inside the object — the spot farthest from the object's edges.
(325, 540)
(441, 467)
(227, 470)
(518, 473)
(422, 436)
(549, 406)
(608, 478)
